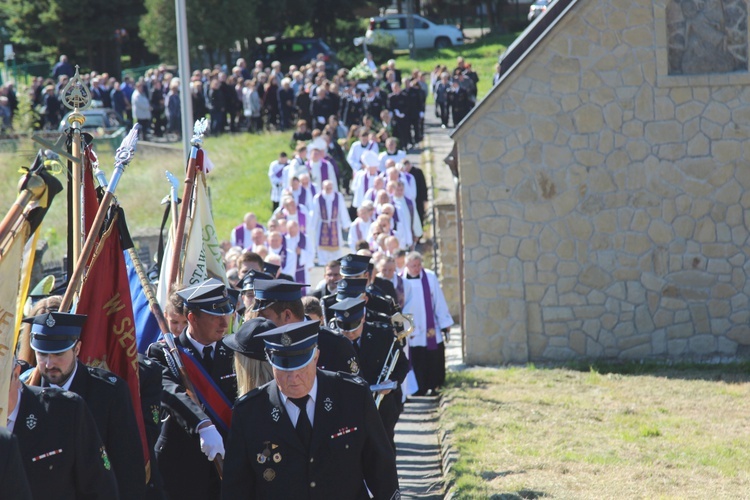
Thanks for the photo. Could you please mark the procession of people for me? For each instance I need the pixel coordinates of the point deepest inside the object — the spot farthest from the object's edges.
(261, 384)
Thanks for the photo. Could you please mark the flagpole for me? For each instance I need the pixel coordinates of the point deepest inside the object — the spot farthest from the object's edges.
(76, 97)
(32, 188)
(172, 351)
(183, 65)
(123, 155)
(198, 130)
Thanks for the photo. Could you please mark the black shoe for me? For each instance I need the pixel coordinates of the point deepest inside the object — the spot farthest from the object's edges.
(420, 393)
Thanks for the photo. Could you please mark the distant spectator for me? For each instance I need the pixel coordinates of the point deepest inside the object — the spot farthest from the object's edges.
(63, 67)
(141, 109)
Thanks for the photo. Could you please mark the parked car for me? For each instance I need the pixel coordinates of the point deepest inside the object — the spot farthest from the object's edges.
(537, 9)
(426, 33)
(297, 51)
(99, 121)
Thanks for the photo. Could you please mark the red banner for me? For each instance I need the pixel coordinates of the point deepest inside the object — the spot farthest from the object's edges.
(108, 335)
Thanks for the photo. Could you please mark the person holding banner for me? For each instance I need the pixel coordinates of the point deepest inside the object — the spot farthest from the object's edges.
(194, 432)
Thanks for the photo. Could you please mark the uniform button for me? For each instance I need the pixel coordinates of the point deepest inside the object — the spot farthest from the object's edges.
(347, 446)
(311, 459)
(312, 484)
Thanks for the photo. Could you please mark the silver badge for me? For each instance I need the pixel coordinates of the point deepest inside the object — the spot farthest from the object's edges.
(346, 314)
(50, 321)
(328, 404)
(113, 379)
(343, 284)
(275, 414)
(286, 340)
(31, 421)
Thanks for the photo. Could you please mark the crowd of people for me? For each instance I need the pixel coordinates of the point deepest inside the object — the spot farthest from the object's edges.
(315, 375)
(265, 98)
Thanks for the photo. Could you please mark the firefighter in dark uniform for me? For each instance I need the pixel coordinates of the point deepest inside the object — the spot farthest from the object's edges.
(189, 438)
(61, 451)
(108, 397)
(381, 295)
(376, 347)
(13, 480)
(149, 380)
(280, 302)
(414, 111)
(308, 433)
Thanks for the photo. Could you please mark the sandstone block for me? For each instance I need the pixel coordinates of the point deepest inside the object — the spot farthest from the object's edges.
(542, 104)
(660, 232)
(557, 313)
(595, 277)
(682, 331)
(663, 132)
(705, 231)
(702, 344)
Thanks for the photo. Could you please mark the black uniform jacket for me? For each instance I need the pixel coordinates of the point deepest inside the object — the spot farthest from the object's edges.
(349, 446)
(149, 372)
(336, 352)
(184, 468)
(62, 452)
(13, 481)
(108, 398)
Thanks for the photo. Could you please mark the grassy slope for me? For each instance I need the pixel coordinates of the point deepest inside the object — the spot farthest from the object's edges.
(659, 433)
(482, 54)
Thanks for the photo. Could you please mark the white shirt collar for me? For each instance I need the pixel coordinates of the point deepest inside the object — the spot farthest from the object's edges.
(293, 410)
(14, 414)
(66, 385)
(199, 347)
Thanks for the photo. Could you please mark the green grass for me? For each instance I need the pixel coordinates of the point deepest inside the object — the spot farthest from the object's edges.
(562, 433)
(238, 184)
(482, 54)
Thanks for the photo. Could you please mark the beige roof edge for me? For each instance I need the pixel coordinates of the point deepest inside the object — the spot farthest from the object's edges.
(457, 132)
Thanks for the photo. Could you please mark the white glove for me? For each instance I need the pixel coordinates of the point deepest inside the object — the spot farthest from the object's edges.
(211, 442)
(421, 114)
(399, 113)
(321, 119)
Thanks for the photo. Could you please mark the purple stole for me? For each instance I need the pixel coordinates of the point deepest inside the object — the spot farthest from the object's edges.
(400, 290)
(359, 233)
(329, 231)
(330, 159)
(281, 170)
(429, 313)
(239, 236)
(372, 194)
(303, 194)
(282, 253)
(300, 217)
(299, 274)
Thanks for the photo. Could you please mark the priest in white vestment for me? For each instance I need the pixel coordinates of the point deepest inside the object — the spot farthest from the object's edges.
(330, 217)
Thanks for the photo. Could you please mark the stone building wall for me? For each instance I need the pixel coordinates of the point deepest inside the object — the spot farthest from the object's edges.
(604, 201)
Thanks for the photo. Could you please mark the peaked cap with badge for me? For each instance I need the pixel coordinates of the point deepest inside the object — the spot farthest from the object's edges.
(211, 297)
(291, 347)
(350, 287)
(353, 264)
(248, 282)
(272, 269)
(349, 312)
(55, 332)
(269, 291)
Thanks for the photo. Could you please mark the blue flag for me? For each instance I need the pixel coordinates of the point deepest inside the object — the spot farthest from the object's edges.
(146, 328)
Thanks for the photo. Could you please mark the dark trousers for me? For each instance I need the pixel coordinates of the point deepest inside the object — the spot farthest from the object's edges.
(444, 112)
(429, 366)
(145, 126)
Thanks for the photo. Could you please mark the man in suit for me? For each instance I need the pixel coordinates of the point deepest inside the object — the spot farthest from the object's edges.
(280, 302)
(189, 435)
(308, 433)
(13, 480)
(61, 451)
(331, 277)
(56, 344)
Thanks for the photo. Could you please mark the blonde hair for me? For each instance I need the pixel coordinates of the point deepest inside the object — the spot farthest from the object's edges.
(251, 373)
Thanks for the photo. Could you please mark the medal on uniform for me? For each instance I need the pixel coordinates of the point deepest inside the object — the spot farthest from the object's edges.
(277, 457)
(261, 458)
(328, 404)
(269, 474)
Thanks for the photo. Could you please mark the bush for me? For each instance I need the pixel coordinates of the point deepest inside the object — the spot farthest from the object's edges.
(26, 118)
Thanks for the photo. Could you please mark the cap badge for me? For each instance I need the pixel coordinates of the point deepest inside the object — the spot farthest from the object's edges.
(346, 314)
(328, 404)
(31, 421)
(348, 258)
(344, 284)
(275, 413)
(286, 340)
(50, 321)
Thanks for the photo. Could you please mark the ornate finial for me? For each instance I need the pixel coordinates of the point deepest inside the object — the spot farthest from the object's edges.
(76, 96)
(123, 155)
(199, 129)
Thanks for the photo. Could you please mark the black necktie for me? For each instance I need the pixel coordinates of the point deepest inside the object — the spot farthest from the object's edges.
(208, 361)
(304, 428)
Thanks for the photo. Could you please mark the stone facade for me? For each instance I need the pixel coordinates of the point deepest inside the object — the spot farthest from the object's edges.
(605, 203)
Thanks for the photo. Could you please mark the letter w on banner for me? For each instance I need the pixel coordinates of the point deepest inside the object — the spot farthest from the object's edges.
(17, 253)
(108, 335)
(202, 258)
